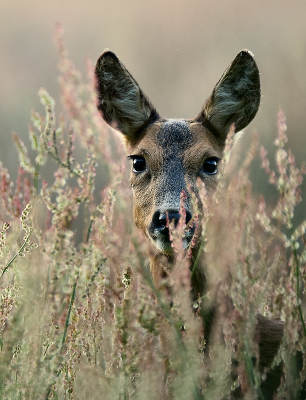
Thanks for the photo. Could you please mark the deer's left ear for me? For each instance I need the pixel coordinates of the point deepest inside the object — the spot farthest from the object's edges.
(120, 99)
(236, 97)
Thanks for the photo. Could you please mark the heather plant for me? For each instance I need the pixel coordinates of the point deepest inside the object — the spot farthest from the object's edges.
(82, 319)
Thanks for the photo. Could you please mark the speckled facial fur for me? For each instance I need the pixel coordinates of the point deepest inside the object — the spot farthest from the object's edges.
(174, 138)
(174, 151)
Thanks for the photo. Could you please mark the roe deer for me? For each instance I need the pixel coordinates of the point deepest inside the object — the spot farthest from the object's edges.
(170, 155)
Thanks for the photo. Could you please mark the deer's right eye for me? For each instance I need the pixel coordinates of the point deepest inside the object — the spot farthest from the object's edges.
(139, 164)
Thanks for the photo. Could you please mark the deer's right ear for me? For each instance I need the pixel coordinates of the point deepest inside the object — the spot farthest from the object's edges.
(120, 99)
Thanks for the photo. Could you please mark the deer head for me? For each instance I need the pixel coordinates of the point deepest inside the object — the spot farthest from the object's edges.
(169, 156)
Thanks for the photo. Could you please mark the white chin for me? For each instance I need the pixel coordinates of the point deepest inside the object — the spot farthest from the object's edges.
(165, 247)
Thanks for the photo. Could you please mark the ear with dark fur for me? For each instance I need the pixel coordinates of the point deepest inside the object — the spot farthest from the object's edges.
(235, 98)
(120, 100)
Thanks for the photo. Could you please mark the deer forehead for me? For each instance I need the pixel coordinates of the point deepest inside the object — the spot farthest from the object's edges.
(178, 140)
(175, 135)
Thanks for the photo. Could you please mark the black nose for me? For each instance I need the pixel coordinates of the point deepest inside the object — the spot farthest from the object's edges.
(159, 220)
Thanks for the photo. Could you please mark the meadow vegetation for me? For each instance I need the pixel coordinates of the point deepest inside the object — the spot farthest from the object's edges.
(80, 317)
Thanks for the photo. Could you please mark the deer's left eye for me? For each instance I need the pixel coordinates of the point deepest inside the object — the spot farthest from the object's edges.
(139, 164)
(210, 166)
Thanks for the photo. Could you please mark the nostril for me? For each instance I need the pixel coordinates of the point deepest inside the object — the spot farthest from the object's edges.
(188, 216)
(155, 224)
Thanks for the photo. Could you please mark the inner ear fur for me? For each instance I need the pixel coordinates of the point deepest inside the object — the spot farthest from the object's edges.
(121, 102)
(236, 96)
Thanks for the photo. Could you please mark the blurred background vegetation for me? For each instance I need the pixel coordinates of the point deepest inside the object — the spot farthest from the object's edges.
(176, 50)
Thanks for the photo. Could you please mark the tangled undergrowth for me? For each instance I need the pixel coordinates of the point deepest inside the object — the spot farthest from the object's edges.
(80, 317)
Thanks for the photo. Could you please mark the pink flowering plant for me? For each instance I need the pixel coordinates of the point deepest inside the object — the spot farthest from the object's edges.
(80, 317)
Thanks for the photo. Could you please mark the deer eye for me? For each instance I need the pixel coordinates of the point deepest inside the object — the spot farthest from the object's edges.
(139, 164)
(210, 166)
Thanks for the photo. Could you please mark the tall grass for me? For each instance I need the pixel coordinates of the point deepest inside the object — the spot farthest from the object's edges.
(80, 317)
